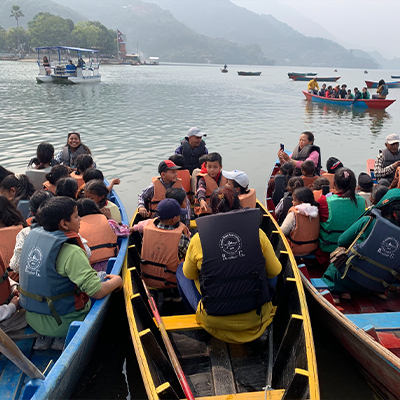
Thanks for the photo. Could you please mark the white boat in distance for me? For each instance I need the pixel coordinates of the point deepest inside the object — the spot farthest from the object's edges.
(61, 71)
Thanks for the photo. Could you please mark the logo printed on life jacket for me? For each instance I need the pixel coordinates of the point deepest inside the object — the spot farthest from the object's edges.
(231, 245)
(388, 247)
(158, 252)
(35, 258)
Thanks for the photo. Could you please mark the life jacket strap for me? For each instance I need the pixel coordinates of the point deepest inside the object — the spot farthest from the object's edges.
(50, 300)
(252, 275)
(157, 278)
(4, 277)
(158, 265)
(303, 242)
(104, 245)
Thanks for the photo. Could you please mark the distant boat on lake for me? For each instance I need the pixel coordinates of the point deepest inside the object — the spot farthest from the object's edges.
(375, 85)
(249, 73)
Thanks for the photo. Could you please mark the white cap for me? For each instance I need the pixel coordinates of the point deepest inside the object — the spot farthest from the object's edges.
(196, 132)
(392, 138)
(238, 176)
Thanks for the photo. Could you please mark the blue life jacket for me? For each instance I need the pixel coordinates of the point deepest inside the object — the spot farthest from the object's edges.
(385, 90)
(42, 289)
(192, 155)
(233, 278)
(375, 263)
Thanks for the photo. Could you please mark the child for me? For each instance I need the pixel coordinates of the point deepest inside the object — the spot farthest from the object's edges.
(180, 196)
(95, 174)
(281, 180)
(332, 165)
(34, 203)
(286, 202)
(318, 184)
(239, 182)
(57, 266)
(208, 179)
(56, 173)
(39, 166)
(98, 192)
(18, 188)
(183, 174)
(83, 162)
(11, 223)
(165, 242)
(301, 225)
(364, 188)
(154, 193)
(67, 187)
(378, 191)
(308, 173)
(95, 228)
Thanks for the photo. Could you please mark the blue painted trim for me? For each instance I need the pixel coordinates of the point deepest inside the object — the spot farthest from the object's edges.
(380, 321)
(319, 283)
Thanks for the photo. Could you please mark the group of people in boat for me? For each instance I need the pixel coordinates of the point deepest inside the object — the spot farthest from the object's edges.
(321, 211)
(70, 67)
(341, 92)
(57, 231)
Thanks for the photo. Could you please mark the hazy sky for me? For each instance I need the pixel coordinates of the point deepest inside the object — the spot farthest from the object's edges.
(366, 24)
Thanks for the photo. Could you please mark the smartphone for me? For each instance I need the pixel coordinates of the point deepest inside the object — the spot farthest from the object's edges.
(325, 189)
(282, 146)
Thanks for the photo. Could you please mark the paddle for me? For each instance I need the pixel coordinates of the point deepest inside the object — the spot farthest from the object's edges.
(171, 352)
(14, 354)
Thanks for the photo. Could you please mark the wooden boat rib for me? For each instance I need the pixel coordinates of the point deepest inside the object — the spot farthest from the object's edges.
(62, 369)
(319, 78)
(379, 104)
(367, 326)
(214, 369)
(391, 85)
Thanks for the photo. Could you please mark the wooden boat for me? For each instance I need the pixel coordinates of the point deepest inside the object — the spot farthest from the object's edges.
(395, 76)
(249, 73)
(319, 78)
(224, 70)
(284, 360)
(367, 326)
(62, 370)
(391, 85)
(370, 168)
(380, 104)
(290, 74)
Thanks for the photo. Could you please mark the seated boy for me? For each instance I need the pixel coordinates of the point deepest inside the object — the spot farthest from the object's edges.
(364, 188)
(208, 179)
(165, 242)
(56, 278)
(239, 182)
(308, 173)
(153, 194)
(180, 196)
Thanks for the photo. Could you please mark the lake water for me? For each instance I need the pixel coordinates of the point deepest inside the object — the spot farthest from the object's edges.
(137, 115)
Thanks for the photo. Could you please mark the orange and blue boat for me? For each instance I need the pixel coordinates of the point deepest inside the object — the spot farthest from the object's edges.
(379, 104)
(391, 85)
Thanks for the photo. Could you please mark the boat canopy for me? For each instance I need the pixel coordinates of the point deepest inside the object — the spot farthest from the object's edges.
(66, 48)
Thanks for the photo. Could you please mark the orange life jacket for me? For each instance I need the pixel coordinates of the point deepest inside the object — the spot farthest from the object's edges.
(50, 187)
(159, 193)
(304, 239)
(309, 180)
(211, 185)
(184, 176)
(317, 194)
(101, 238)
(160, 255)
(248, 199)
(8, 237)
(29, 221)
(330, 178)
(78, 178)
(5, 289)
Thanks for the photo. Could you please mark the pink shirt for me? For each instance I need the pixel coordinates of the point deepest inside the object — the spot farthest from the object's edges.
(314, 155)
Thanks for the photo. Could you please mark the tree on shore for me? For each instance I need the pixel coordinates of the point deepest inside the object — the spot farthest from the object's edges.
(17, 13)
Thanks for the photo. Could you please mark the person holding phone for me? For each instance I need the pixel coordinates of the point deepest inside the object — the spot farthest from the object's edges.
(305, 150)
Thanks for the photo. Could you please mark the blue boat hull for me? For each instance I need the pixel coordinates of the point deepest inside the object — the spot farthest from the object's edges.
(64, 374)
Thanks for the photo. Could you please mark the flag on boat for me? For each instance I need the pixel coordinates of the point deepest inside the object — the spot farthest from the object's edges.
(120, 36)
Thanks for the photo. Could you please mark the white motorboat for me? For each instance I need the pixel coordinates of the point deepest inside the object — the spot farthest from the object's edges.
(64, 70)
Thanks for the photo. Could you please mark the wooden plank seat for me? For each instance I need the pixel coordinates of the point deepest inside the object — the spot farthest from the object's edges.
(271, 395)
(181, 322)
(318, 283)
(380, 321)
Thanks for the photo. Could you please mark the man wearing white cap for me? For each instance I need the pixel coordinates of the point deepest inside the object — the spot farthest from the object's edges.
(239, 182)
(388, 159)
(192, 148)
